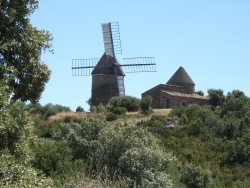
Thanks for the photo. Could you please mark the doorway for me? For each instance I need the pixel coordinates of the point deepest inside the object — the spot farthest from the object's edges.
(167, 103)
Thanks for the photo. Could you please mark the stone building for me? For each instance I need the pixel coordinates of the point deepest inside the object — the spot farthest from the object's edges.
(178, 91)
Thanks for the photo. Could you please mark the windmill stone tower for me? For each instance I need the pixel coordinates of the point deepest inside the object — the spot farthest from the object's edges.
(108, 84)
(107, 73)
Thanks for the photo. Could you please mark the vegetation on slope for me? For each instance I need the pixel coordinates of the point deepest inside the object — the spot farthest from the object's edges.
(213, 138)
(191, 147)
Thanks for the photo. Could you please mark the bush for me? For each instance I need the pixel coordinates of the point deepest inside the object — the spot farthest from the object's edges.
(119, 110)
(93, 109)
(111, 117)
(146, 103)
(34, 108)
(46, 111)
(179, 111)
(16, 136)
(17, 174)
(50, 154)
(79, 109)
(132, 104)
(239, 151)
(100, 108)
(47, 130)
(83, 140)
(134, 153)
(194, 177)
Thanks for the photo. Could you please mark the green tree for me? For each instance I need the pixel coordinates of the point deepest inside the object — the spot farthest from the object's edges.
(146, 103)
(236, 104)
(216, 97)
(16, 137)
(21, 46)
(239, 150)
(201, 93)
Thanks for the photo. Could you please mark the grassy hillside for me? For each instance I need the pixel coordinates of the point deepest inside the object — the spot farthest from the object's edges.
(190, 146)
(205, 148)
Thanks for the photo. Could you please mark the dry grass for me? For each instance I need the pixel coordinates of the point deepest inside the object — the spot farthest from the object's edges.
(61, 116)
(134, 117)
(161, 112)
(131, 117)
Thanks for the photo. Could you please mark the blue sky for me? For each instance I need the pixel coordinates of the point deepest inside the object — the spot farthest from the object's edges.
(210, 39)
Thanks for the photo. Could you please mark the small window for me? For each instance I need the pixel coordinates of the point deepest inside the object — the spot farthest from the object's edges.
(184, 104)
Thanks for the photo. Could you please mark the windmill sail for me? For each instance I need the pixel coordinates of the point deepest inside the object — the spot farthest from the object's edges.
(86, 67)
(139, 64)
(107, 73)
(111, 38)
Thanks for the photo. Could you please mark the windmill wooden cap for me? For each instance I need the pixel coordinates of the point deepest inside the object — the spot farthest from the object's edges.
(106, 66)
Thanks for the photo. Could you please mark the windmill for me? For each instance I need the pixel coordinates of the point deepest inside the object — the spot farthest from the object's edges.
(107, 73)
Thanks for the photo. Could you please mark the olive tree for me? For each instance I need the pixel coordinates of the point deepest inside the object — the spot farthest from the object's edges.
(21, 45)
(216, 97)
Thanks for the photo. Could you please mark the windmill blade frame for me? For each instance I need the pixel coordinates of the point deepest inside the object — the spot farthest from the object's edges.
(107, 73)
(111, 38)
(84, 67)
(139, 64)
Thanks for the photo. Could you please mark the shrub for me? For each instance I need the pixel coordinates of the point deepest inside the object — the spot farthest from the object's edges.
(119, 110)
(134, 153)
(49, 154)
(43, 130)
(179, 111)
(93, 109)
(85, 133)
(194, 177)
(79, 109)
(100, 108)
(17, 174)
(34, 108)
(184, 119)
(16, 136)
(111, 117)
(50, 110)
(146, 103)
(239, 150)
(132, 104)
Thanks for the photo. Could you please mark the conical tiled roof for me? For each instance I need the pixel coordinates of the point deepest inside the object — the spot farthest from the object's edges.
(106, 66)
(180, 77)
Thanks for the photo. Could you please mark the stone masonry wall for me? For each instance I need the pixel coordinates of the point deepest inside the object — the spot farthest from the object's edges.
(181, 101)
(104, 87)
(164, 100)
(155, 94)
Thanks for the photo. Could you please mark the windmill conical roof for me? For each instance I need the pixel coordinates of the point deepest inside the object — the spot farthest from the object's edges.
(106, 66)
(179, 77)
